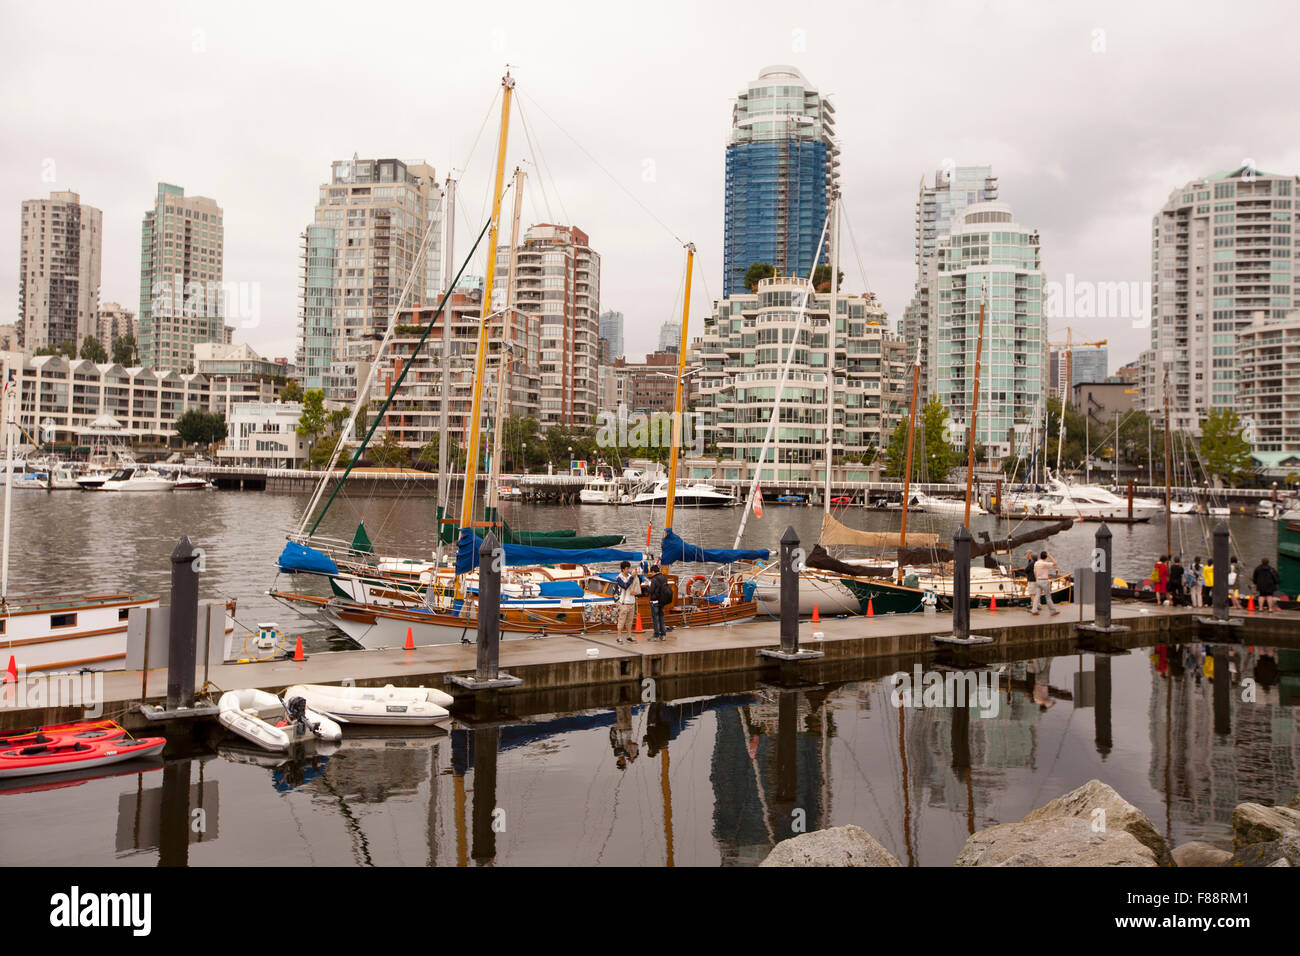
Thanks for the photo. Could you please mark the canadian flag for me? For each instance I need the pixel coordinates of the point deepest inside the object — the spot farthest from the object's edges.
(758, 502)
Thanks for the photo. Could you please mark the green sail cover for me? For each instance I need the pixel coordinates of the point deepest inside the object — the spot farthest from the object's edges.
(361, 540)
(565, 539)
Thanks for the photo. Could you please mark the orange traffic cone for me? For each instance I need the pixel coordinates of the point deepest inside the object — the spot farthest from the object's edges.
(638, 623)
(871, 610)
(297, 650)
(993, 604)
(1250, 604)
(816, 618)
(11, 673)
(410, 639)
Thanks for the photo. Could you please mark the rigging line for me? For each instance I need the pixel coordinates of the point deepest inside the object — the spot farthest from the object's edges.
(532, 151)
(644, 208)
(543, 169)
(482, 126)
(853, 241)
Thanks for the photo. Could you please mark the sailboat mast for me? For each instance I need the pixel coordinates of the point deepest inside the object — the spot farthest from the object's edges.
(911, 438)
(830, 355)
(1169, 524)
(677, 403)
(975, 402)
(444, 399)
(480, 362)
(506, 356)
(10, 389)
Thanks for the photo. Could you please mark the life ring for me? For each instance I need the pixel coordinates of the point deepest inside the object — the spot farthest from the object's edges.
(693, 591)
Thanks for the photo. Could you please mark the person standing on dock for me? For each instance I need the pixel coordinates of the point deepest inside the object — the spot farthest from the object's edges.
(1030, 560)
(1266, 580)
(1207, 576)
(661, 595)
(1042, 583)
(628, 587)
(1234, 584)
(1160, 579)
(1177, 593)
(1196, 583)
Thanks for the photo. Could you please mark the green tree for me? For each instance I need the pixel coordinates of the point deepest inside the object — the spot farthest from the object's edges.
(822, 278)
(198, 427)
(321, 453)
(292, 392)
(389, 453)
(757, 272)
(68, 348)
(933, 455)
(428, 454)
(1224, 448)
(337, 419)
(124, 350)
(92, 351)
(312, 421)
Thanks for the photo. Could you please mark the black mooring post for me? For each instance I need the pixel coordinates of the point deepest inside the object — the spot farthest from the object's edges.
(1221, 568)
(183, 623)
(490, 556)
(961, 583)
(1102, 576)
(789, 592)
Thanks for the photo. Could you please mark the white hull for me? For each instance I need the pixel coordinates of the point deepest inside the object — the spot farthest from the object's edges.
(388, 705)
(54, 635)
(947, 506)
(827, 595)
(248, 713)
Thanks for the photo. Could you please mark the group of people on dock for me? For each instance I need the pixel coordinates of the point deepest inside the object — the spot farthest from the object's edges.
(1179, 586)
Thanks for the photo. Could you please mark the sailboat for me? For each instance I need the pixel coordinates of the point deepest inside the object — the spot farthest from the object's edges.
(56, 632)
(444, 608)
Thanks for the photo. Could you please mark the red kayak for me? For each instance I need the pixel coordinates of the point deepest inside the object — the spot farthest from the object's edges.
(72, 747)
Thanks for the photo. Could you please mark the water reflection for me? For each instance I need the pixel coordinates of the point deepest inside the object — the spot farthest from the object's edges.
(1185, 732)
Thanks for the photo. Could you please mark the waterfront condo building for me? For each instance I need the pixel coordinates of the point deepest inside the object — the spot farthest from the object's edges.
(1067, 367)
(1268, 396)
(58, 271)
(745, 343)
(361, 247)
(937, 208)
(988, 255)
(557, 279)
(1222, 255)
(182, 299)
(782, 167)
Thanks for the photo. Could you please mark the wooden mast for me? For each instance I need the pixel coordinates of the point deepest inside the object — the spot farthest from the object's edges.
(505, 358)
(975, 403)
(480, 363)
(677, 404)
(911, 437)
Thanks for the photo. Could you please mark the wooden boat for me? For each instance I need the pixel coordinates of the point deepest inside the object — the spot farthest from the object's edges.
(75, 747)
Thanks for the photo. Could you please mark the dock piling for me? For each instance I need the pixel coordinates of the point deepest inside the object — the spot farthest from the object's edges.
(1103, 578)
(791, 563)
(183, 625)
(961, 635)
(488, 677)
(1221, 565)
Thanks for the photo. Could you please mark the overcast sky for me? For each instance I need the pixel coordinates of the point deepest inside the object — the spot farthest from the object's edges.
(1089, 113)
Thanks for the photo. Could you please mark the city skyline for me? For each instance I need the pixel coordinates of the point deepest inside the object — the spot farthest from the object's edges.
(1077, 160)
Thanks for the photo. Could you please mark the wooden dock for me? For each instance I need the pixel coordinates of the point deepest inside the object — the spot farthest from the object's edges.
(563, 662)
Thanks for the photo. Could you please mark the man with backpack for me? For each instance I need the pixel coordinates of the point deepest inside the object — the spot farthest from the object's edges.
(661, 596)
(627, 588)
(1177, 593)
(1266, 581)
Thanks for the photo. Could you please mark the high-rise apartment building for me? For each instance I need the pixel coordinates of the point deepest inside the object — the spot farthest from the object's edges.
(1223, 253)
(182, 299)
(782, 167)
(58, 271)
(114, 322)
(1073, 365)
(988, 256)
(361, 247)
(937, 207)
(557, 278)
(670, 337)
(742, 352)
(611, 337)
(1268, 374)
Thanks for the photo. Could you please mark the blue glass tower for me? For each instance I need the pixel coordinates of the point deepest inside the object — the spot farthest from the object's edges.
(782, 167)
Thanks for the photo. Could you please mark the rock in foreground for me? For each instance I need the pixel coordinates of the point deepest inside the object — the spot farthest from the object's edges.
(1058, 841)
(1197, 853)
(1254, 823)
(837, 846)
(1082, 804)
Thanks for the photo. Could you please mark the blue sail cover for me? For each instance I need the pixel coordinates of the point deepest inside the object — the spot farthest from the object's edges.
(675, 550)
(517, 554)
(298, 557)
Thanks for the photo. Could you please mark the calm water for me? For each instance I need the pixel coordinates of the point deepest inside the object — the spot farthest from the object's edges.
(715, 775)
(708, 780)
(78, 540)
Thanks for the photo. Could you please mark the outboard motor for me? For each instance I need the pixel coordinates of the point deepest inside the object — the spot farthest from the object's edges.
(295, 709)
